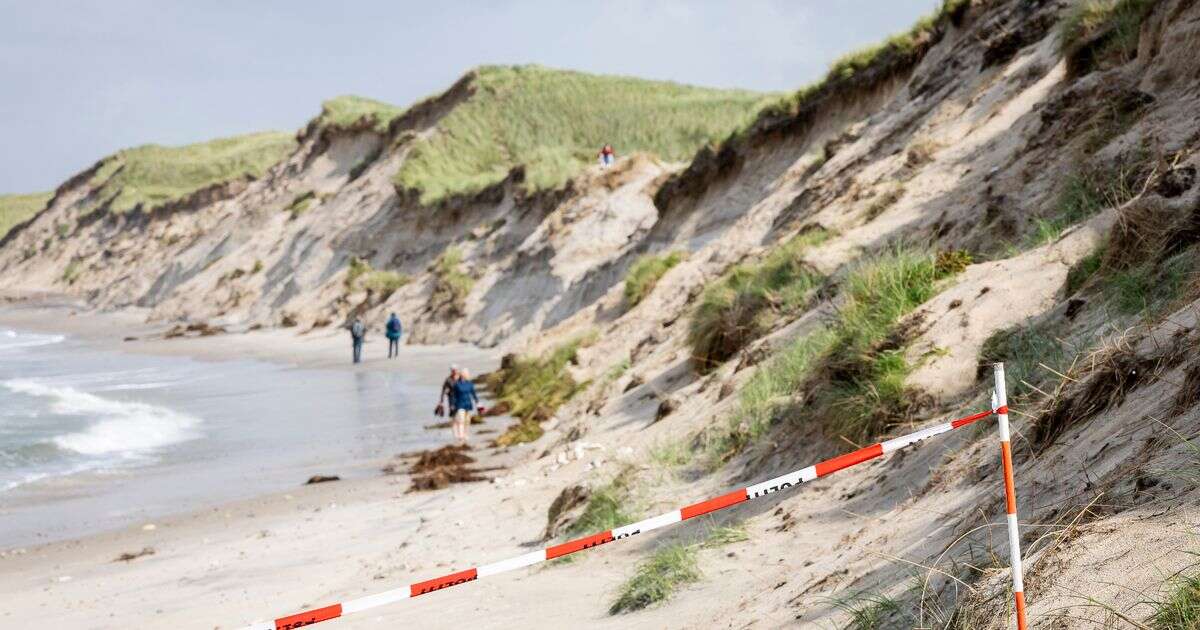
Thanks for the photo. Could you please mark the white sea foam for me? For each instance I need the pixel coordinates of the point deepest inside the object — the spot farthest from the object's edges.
(12, 340)
(124, 428)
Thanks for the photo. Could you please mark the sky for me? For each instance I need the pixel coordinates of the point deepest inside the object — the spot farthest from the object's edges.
(82, 79)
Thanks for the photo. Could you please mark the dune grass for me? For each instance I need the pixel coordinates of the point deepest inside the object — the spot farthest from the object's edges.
(1029, 354)
(749, 299)
(553, 122)
(381, 283)
(853, 369)
(348, 111)
(722, 535)
(152, 175)
(762, 398)
(1085, 193)
(534, 388)
(867, 611)
(1150, 287)
(606, 509)
(896, 48)
(645, 273)
(1117, 24)
(861, 388)
(16, 209)
(658, 577)
(72, 272)
(1181, 609)
(451, 283)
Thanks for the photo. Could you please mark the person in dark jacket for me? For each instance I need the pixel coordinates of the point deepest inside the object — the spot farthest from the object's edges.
(394, 329)
(447, 395)
(358, 333)
(465, 402)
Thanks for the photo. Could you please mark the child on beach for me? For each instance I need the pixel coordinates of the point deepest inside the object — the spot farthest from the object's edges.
(465, 402)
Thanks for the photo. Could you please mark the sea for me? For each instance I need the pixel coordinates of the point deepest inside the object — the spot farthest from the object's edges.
(93, 439)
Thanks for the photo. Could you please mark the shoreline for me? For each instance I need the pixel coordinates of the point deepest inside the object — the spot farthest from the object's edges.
(318, 351)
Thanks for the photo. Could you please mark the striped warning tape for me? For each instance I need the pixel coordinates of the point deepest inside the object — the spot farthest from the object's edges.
(763, 489)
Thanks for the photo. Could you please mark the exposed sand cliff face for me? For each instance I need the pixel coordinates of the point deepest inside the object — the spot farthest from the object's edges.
(966, 143)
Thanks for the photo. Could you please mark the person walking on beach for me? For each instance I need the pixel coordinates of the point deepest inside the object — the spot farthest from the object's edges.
(393, 334)
(465, 402)
(357, 333)
(607, 156)
(447, 395)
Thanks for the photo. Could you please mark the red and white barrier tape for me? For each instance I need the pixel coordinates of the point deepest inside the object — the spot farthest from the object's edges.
(770, 486)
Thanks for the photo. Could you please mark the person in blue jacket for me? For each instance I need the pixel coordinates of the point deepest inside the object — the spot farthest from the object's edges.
(465, 402)
(394, 329)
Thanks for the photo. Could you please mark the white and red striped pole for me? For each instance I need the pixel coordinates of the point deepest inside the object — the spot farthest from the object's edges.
(1010, 495)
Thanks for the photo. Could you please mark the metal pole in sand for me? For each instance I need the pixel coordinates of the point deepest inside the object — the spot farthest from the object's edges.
(1010, 495)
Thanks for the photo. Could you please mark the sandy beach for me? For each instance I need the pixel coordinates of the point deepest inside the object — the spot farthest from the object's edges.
(254, 559)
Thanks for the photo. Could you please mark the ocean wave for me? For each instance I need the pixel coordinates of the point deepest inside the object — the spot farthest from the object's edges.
(127, 428)
(12, 340)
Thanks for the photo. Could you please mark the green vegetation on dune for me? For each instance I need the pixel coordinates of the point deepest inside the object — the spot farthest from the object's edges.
(862, 388)
(657, 578)
(152, 175)
(852, 370)
(348, 111)
(898, 50)
(1181, 609)
(901, 45)
(751, 298)
(16, 209)
(606, 509)
(534, 388)
(1110, 28)
(553, 122)
(451, 283)
(645, 273)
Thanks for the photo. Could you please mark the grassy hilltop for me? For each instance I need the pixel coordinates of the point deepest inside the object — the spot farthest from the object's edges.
(17, 208)
(554, 121)
(153, 174)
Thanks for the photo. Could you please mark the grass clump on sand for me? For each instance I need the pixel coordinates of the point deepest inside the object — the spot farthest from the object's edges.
(854, 369)
(152, 175)
(749, 299)
(768, 391)
(726, 535)
(534, 388)
(657, 578)
(451, 283)
(1149, 287)
(604, 509)
(552, 123)
(1031, 354)
(16, 209)
(868, 611)
(1102, 31)
(72, 272)
(378, 282)
(860, 389)
(645, 273)
(301, 203)
(1181, 609)
(351, 111)
(1083, 270)
(1085, 193)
